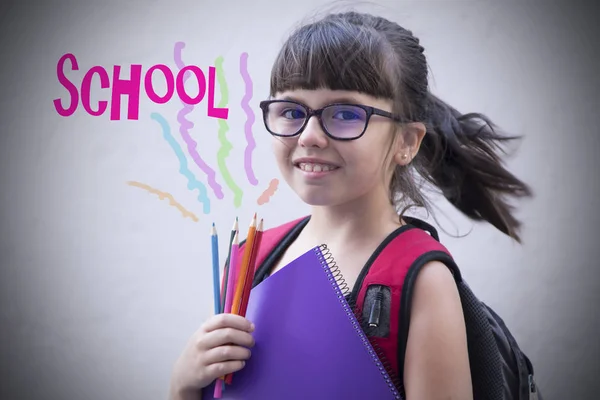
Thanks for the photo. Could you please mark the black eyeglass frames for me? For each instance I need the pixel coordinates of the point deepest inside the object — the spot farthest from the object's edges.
(339, 121)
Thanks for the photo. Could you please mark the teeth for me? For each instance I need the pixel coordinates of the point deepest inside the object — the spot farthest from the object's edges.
(311, 167)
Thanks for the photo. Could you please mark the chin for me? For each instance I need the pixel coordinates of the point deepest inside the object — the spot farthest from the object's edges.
(319, 196)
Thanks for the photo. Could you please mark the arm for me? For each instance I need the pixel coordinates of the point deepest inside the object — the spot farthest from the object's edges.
(184, 395)
(436, 365)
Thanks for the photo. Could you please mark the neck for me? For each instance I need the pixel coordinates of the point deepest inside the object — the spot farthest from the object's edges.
(365, 219)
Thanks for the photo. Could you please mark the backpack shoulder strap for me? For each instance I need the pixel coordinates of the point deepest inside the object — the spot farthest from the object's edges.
(273, 241)
(395, 265)
(424, 249)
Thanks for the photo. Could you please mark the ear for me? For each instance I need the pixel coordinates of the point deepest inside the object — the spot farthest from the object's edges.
(408, 147)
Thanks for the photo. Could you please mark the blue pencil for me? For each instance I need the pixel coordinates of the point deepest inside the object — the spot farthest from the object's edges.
(215, 263)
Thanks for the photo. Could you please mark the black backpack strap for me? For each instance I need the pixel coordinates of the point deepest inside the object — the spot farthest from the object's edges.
(262, 272)
(424, 226)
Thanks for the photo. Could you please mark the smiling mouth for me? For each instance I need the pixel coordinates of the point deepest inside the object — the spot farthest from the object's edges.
(315, 167)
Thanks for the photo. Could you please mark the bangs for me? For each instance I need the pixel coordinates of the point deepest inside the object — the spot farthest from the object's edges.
(336, 55)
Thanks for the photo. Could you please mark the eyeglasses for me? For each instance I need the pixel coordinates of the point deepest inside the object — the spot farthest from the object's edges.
(288, 118)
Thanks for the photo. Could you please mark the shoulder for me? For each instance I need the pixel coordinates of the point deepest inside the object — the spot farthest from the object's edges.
(287, 227)
(435, 301)
(436, 279)
(437, 345)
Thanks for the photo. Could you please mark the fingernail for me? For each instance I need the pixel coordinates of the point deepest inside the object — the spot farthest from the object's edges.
(252, 327)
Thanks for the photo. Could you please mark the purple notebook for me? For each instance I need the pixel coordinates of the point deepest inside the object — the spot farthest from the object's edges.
(309, 344)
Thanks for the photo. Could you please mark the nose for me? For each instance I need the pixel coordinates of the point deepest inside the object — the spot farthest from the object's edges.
(313, 135)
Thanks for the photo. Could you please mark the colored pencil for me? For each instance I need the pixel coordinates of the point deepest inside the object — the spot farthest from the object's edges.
(233, 273)
(242, 276)
(227, 266)
(218, 393)
(232, 278)
(215, 262)
(251, 269)
(243, 271)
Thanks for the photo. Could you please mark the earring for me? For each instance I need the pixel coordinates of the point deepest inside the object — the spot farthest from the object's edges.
(404, 156)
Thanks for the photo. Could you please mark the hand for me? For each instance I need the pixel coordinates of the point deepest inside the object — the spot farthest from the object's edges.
(221, 346)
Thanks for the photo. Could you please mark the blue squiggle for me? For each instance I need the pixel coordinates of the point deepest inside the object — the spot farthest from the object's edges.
(193, 183)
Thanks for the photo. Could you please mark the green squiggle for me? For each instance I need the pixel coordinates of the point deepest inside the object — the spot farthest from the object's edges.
(225, 144)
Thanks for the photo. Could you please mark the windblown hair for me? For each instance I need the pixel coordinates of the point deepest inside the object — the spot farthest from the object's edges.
(460, 153)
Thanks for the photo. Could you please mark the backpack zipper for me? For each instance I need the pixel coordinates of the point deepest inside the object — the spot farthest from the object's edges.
(533, 395)
(375, 312)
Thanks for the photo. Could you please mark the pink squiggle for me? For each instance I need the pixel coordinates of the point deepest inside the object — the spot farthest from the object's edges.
(249, 121)
(185, 125)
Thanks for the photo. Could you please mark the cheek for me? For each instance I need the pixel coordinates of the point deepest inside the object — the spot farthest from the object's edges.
(369, 171)
(278, 147)
(369, 162)
(282, 150)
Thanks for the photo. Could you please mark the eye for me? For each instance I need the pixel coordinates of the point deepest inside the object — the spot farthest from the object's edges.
(347, 115)
(293, 113)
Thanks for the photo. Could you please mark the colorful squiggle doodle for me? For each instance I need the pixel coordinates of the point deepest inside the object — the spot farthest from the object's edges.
(225, 144)
(164, 195)
(185, 125)
(269, 192)
(193, 183)
(249, 121)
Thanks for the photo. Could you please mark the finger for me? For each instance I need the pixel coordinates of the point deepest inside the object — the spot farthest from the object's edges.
(226, 353)
(226, 320)
(223, 368)
(224, 337)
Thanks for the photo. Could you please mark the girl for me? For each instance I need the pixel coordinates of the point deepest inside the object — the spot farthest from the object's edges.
(354, 126)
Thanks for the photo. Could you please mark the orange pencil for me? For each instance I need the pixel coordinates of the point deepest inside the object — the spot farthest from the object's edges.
(251, 269)
(242, 274)
(243, 271)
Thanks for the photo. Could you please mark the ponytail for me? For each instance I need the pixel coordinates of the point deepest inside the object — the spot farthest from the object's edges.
(459, 155)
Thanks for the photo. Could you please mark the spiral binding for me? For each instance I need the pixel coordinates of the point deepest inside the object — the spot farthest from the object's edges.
(342, 289)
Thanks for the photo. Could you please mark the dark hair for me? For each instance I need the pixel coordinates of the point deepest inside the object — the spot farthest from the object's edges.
(459, 153)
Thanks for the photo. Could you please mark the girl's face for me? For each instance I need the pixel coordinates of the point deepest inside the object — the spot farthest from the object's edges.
(327, 172)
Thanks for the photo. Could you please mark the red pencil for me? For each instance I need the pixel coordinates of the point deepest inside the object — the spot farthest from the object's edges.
(243, 271)
(251, 269)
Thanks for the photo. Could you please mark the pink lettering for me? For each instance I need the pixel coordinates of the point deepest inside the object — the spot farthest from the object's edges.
(130, 88)
(201, 85)
(66, 112)
(214, 112)
(86, 90)
(170, 84)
